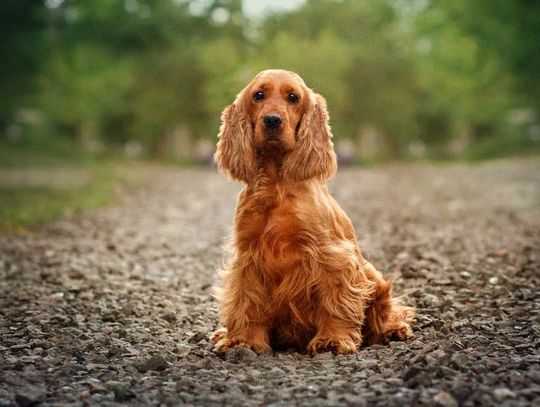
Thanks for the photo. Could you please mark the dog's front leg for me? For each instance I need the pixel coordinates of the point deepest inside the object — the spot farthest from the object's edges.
(243, 311)
(340, 314)
(337, 336)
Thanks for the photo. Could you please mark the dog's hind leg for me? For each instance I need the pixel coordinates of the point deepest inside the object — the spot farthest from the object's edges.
(386, 318)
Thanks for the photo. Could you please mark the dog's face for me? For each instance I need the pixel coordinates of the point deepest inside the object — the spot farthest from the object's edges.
(277, 103)
(276, 119)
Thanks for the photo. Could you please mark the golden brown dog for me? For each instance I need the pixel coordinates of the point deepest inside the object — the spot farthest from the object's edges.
(297, 277)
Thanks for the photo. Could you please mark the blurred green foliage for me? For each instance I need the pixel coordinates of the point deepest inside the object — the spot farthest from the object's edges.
(416, 77)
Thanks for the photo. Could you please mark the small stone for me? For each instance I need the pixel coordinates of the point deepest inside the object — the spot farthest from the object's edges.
(157, 363)
(444, 399)
(197, 337)
(128, 310)
(277, 371)
(265, 353)
(121, 395)
(431, 300)
(411, 372)
(240, 355)
(114, 351)
(435, 257)
(370, 363)
(402, 256)
(460, 360)
(56, 297)
(109, 317)
(30, 396)
(324, 356)
(169, 317)
(465, 274)
(503, 393)
(494, 280)
(99, 359)
(438, 354)
(115, 385)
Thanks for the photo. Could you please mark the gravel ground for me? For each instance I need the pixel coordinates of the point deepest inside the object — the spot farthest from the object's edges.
(115, 307)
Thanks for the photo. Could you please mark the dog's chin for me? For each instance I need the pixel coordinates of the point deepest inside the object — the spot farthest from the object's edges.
(273, 141)
(273, 146)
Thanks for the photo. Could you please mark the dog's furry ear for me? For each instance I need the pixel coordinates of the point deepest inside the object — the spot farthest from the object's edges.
(313, 156)
(235, 155)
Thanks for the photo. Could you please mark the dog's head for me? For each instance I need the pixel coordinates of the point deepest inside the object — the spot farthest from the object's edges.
(276, 120)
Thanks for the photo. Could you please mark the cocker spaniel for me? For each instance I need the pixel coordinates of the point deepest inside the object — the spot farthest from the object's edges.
(296, 277)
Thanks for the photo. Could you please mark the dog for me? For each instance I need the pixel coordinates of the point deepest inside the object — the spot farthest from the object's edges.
(296, 277)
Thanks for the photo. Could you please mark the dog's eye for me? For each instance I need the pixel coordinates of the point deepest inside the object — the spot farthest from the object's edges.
(292, 97)
(258, 95)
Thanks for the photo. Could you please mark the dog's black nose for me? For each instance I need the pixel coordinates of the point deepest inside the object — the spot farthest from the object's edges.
(272, 121)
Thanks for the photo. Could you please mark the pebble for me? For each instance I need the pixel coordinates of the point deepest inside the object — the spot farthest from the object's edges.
(238, 355)
(122, 395)
(30, 396)
(503, 393)
(114, 351)
(459, 360)
(156, 362)
(324, 356)
(170, 317)
(494, 280)
(115, 385)
(444, 399)
(465, 274)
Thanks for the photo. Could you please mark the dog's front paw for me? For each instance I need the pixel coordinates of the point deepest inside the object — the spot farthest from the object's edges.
(222, 343)
(338, 346)
(399, 330)
(218, 335)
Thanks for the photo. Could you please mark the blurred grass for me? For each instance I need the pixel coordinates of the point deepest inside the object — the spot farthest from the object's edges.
(38, 195)
(41, 153)
(22, 207)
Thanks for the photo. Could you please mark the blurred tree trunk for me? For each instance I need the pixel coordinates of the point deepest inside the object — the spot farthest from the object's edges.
(177, 144)
(85, 134)
(369, 142)
(394, 149)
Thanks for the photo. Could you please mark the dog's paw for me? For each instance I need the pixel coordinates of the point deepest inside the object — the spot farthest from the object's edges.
(222, 343)
(225, 344)
(338, 346)
(399, 331)
(218, 335)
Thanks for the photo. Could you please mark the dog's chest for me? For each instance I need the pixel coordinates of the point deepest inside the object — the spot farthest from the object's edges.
(273, 233)
(279, 238)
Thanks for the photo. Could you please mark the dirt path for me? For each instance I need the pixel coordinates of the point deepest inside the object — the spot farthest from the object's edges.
(115, 307)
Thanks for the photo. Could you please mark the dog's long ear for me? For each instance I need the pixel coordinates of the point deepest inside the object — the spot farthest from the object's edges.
(313, 156)
(235, 155)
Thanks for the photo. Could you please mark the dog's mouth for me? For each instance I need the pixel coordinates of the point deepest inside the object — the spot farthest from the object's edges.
(273, 136)
(272, 141)
(273, 146)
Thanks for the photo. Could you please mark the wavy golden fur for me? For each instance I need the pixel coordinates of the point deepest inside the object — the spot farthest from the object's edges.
(296, 277)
